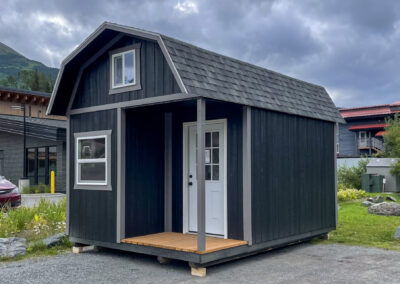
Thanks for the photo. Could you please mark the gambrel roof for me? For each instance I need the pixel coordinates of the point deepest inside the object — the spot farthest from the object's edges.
(203, 73)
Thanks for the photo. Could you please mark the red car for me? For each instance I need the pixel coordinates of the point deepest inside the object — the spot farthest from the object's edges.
(9, 193)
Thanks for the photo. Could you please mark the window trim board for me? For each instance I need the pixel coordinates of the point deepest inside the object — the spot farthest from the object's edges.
(131, 87)
(106, 186)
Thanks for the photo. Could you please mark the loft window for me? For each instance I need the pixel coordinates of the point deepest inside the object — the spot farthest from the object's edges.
(125, 69)
(92, 160)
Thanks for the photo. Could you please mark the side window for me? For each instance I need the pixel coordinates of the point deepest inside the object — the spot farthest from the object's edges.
(92, 160)
(125, 69)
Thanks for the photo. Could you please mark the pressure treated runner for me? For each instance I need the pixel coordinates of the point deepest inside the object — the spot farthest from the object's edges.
(183, 242)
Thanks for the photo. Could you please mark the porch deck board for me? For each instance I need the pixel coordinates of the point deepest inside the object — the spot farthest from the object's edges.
(183, 242)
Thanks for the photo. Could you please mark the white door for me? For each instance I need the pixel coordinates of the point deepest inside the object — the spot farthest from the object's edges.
(215, 163)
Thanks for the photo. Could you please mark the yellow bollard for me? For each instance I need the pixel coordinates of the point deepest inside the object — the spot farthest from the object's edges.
(52, 182)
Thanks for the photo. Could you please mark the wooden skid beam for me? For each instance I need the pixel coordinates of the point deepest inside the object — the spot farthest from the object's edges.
(199, 271)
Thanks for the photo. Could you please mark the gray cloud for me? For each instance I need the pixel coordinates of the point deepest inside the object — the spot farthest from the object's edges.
(350, 47)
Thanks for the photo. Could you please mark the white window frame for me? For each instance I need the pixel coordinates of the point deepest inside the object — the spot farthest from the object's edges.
(122, 54)
(95, 185)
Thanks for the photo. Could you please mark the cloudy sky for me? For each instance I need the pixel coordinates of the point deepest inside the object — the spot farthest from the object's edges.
(351, 47)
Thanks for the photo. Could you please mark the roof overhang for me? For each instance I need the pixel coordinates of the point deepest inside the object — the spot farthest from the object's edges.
(368, 126)
(72, 64)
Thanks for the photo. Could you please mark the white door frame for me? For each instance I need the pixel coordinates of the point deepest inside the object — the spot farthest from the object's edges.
(185, 179)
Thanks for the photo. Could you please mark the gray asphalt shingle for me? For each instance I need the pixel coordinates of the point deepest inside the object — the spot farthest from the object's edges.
(220, 77)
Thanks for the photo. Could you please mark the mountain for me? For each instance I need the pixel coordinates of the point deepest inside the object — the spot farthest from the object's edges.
(11, 62)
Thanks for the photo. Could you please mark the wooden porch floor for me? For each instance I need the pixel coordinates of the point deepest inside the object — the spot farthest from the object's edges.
(183, 242)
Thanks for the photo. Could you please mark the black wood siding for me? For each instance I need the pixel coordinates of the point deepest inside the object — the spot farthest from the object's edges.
(292, 175)
(156, 77)
(92, 212)
(144, 190)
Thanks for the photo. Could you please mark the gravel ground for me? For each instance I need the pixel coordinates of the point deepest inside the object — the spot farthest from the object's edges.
(303, 263)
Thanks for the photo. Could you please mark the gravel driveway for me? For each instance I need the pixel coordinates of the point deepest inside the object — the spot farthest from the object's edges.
(303, 263)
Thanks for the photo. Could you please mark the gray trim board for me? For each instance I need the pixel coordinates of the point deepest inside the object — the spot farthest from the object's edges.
(201, 192)
(247, 222)
(67, 175)
(137, 85)
(336, 129)
(121, 124)
(137, 103)
(168, 172)
(108, 186)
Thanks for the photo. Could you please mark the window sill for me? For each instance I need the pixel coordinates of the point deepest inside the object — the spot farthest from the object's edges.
(125, 89)
(93, 187)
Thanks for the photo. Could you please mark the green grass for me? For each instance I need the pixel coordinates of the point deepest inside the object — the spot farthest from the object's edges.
(357, 227)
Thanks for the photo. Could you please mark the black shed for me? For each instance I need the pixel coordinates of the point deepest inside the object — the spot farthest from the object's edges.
(183, 153)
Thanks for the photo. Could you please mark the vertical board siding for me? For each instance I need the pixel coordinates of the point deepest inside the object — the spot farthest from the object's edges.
(93, 212)
(144, 189)
(292, 175)
(156, 77)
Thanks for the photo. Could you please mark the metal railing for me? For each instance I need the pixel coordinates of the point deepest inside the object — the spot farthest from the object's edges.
(371, 142)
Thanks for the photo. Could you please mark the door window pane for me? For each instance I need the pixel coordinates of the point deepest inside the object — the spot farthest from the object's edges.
(208, 172)
(129, 67)
(91, 148)
(215, 139)
(117, 70)
(215, 156)
(215, 172)
(208, 139)
(30, 162)
(41, 163)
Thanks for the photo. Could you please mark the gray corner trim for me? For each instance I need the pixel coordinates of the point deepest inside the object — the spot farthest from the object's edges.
(201, 192)
(168, 172)
(247, 218)
(171, 64)
(108, 186)
(86, 64)
(67, 176)
(336, 133)
(136, 103)
(120, 175)
(125, 30)
(137, 85)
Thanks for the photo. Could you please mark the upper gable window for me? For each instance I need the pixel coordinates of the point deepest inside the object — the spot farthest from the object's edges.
(125, 69)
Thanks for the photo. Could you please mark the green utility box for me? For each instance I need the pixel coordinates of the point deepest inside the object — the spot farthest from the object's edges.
(372, 182)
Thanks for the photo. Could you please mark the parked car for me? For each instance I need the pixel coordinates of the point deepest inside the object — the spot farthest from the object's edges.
(9, 193)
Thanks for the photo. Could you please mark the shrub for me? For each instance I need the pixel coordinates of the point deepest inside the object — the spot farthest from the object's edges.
(35, 223)
(350, 194)
(41, 188)
(350, 177)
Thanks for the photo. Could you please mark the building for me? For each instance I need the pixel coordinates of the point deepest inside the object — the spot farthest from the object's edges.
(382, 166)
(142, 107)
(362, 135)
(45, 138)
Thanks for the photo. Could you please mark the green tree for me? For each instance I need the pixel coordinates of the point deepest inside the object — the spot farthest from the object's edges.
(350, 177)
(391, 139)
(10, 81)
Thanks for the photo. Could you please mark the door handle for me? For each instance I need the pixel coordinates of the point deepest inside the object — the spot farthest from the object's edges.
(190, 183)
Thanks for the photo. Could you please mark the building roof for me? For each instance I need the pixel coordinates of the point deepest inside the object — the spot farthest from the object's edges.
(368, 126)
(381, 162)
(207, 74)
(44, 128)
(24, 92)
(376, 110)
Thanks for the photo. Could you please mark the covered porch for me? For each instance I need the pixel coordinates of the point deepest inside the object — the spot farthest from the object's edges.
(154, 200)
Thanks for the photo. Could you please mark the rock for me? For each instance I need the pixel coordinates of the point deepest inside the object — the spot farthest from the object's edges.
(11, 247)
(54, 240)
(397, 234)
(367, 203)
(385, 208)
(376, 199)
(391, 198)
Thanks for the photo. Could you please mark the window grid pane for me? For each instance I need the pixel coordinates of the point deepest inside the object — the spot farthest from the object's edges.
(118, 70)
